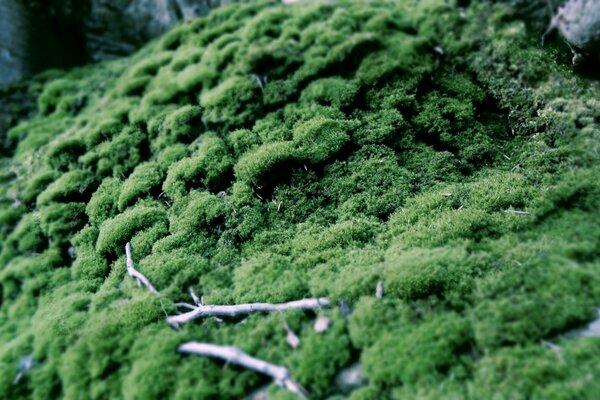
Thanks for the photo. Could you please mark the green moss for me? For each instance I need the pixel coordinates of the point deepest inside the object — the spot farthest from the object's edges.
(37, 184)
(72, 186)
(51, 96)
(59, 221)
(274, 152)
(199, 211)
(319, 138)
(329, 350)
(286, 281)
(103, 203)
(182, 125)
(336, 92)
(420, 273)
(526, 370)
(134, 86)
(64, 153)
(411, 354)
(122, 153)
(103, 130)
(233, 102)
(209, 166)
(256, 166)
(513, 308)
(117, 231)
(144, 178)
(150, 65)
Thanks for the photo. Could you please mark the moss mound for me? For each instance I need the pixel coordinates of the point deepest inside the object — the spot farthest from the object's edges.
(272, 153)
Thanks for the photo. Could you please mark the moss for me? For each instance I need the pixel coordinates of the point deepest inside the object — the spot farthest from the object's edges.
(64, 153)
(134, 86)
(209, 166)
(88, 265)
(59, 221)
(234, 102)
(257, 165)
(330, 350)
(525, 372)
(37, 184)
(51, 96)
(182, 125)
(336, 92)
(103, 203)
(105, 129)
(150, 65)
(72, 186)
(117, 231)
(275, 152)
(171, 154)
(122, 153)
(411, 354)
(144, 178)
(500, 318)
(199, 211)
(318, 139)
(286, 281)
(420, 273)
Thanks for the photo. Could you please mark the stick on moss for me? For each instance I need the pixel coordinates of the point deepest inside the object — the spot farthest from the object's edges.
(233, 355)
(201, 310)
(134, 273)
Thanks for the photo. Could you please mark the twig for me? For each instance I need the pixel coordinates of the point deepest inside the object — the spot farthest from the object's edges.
(233, 355)
(518, 212)
(197, 301)
(185, 305)
(134, 273)
(243, 309)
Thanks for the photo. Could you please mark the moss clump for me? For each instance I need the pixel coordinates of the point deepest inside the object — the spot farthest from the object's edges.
(208, 167)
(235, 101)
(274, 152)
(117, 231)
(72, 186)
(143, 180)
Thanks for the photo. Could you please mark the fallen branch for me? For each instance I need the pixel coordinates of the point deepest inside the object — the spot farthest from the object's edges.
(517, 212)
(233, 355)
(134, 273)
(201, 311)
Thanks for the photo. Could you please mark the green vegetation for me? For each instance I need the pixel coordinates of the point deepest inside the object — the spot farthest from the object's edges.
(272, 153)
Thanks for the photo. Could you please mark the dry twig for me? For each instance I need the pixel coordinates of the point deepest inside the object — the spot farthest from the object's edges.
(202, 311)
(517, 212)
(233, 355)
(134, 273)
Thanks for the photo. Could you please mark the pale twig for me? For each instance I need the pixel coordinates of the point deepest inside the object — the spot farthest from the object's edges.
(517, 212)
(134, 273)
(379, 289)
(185, 305)
(233, 355)
(244, 309)
(197, 301)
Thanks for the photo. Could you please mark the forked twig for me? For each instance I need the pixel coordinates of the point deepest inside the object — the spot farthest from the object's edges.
(201, 310)
(233, 355)
(134, 273)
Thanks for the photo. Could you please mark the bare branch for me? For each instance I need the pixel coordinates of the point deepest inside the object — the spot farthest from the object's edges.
(185, 305)
(202, 311)
(134, 273)
(517, 212)
(233, 355)
(379, 289)
(197, 301)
